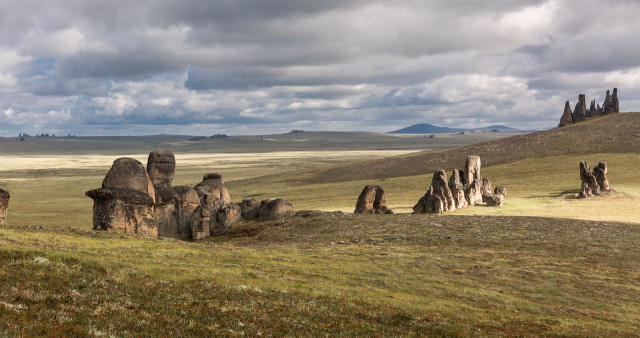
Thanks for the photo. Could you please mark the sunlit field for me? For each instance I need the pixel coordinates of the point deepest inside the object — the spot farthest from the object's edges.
(545, 263)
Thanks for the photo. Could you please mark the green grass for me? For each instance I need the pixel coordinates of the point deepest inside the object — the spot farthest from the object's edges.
(456, 274)
(543, 264)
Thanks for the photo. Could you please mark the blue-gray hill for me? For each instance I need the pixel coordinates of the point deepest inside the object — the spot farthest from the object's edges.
(425, 128)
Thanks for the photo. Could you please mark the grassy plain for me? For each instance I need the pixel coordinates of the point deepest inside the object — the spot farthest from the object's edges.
(544, 264)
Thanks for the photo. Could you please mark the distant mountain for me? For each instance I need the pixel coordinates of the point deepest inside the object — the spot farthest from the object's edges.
(425, 128)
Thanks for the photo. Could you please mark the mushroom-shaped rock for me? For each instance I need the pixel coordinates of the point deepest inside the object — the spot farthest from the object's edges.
(274, 208)
(123, 210)
(4, 205)
(457, 188)
(567, 115)
(372, 200)
(472, 169)
(212, 184)
(438, 198)
(228, 214)
(187, 202)
(129, 173)
(250, 208)
(161, 167)
(498, 196)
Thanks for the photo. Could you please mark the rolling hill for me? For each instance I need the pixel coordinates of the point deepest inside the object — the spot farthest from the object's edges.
(619, 133)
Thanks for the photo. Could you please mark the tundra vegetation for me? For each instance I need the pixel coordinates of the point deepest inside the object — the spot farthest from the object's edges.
(545, 263)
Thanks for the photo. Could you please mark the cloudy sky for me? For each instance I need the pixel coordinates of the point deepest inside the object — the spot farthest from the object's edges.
(201, 67)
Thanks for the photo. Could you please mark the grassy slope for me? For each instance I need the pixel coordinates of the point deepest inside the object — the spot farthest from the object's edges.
(619, 133)
(420, 274)
(398, 274)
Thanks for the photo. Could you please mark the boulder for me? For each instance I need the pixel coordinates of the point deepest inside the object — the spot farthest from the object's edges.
(473, 193)
(4, 206)
(129, 173)
(274, 208)
(187, 203)
(124, 210)
(580, 111)
(457, 188)
(498, 196)
(472, 169)
(161, 167)
(228, 214)
(567, 116)
(372, 200)
(438, 198)
(249, 208)
(212, 184)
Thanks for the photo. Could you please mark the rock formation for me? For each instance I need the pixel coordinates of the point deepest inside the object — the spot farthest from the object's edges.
(610, 105)
(580, 111)
(456, 186)
(250, 208)
(187, 207)
(438, 198)
(161, 167)
(472, 169)
(594, 182)
(129, 173)
(464, 188)
(4, 206)
(125, 201)
(143, 201)
(123, 210)
(473, 192)
(228, 214)
(498, 196)
(585, 191)
(213, 185)
(600, 172)
(587, 177)
(372, 200)
(274, 208)
(567, 115)
(485, 188)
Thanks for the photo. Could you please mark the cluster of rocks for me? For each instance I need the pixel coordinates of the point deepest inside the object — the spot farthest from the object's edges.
(4, 205)
(594, 182)
(580, 112)
(372, 200)
(141, 201)
(464, 188)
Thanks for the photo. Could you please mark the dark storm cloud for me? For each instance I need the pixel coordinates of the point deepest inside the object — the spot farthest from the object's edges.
(243, 65)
